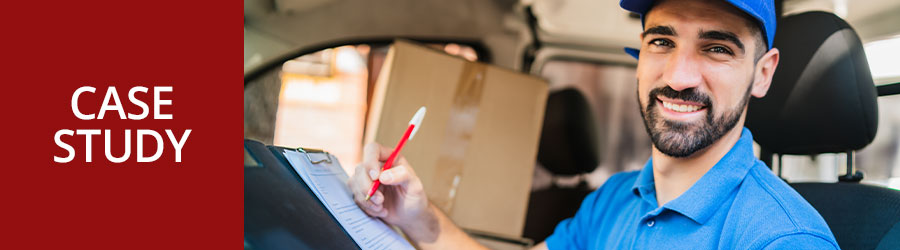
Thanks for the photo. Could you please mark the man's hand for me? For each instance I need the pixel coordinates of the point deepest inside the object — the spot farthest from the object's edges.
(400, 200)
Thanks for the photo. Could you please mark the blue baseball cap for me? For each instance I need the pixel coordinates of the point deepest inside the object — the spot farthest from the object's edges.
(762, 10)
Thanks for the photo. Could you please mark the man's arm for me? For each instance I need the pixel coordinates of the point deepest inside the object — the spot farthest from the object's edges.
(434, 230)
(401, 201)
(441, 233)
(800, 241)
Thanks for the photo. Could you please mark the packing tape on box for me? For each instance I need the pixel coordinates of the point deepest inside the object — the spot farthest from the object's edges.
(458, 134)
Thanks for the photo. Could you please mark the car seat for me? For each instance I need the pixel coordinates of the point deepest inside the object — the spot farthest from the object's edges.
(823, 100)
(567, 148)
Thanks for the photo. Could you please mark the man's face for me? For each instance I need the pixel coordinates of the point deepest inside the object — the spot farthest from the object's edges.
(695, 73)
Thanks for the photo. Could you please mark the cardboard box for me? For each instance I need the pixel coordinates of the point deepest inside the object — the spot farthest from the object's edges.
(476, 149)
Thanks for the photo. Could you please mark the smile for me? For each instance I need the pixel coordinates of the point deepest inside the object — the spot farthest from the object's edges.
(682, 108)
(679, 107)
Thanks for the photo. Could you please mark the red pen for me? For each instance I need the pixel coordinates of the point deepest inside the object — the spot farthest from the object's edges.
(414, 125)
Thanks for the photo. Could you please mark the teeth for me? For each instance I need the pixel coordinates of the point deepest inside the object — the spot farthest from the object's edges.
(680, 108)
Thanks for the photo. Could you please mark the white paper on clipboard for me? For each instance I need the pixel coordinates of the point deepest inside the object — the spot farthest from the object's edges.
(325, 177)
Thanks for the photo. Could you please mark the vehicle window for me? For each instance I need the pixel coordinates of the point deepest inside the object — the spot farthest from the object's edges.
(882, 56)
(881, 159)
(609, 89)
(320, 100)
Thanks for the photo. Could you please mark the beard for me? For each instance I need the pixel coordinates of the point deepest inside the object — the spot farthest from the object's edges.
(682, 139)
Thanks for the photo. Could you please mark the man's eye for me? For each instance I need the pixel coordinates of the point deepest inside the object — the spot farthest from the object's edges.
(661, 42)
(721, 50)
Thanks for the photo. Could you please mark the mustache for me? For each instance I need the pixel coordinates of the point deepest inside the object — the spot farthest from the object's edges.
(691, 95)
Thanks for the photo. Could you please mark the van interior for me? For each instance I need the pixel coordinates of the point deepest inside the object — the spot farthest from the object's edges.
(311, 66)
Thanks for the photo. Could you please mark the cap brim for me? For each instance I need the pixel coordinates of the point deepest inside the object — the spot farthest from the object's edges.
(633, 52)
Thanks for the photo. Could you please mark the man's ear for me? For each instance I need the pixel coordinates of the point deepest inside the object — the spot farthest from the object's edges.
(762, 74)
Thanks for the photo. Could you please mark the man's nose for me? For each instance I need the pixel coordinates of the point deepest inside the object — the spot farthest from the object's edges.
(682, 71)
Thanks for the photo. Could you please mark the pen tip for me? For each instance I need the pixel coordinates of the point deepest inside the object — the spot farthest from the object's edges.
(368, 196)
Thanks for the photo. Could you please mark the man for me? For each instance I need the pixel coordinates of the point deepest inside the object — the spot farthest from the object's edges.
(703, 188)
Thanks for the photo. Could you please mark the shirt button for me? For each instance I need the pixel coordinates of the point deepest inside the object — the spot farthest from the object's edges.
(650, 223)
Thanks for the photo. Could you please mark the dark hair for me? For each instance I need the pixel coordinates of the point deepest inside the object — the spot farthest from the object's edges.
(755, 29)
(760, 41)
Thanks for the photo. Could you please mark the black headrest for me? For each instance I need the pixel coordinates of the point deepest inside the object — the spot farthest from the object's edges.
(568, 138)
(822, 98)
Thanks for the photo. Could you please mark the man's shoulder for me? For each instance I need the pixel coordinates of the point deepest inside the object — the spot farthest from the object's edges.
(771, 210)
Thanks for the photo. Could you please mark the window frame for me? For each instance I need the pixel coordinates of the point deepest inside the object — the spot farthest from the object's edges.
(266, 67)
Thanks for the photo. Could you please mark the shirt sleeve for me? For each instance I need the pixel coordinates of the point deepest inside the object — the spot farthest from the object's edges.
(801, 241)
(574, 232)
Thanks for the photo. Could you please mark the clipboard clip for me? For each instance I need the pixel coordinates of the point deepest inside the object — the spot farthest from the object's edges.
(307, 151)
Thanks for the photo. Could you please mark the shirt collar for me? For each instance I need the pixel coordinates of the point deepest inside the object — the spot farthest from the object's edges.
(702, 200)
(644, 185)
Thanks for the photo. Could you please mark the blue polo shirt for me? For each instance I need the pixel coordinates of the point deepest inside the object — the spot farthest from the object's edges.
(737, 204)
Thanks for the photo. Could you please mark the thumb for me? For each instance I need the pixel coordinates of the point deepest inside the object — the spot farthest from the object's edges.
(400, 175)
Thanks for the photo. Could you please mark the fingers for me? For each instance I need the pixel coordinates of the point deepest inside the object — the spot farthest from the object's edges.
(373, 173)
(377, 198)
(366, 172)
(360, 184)
(398, 175)
(374, 152)
(360, 178)
(373, 157)
(375, 205)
